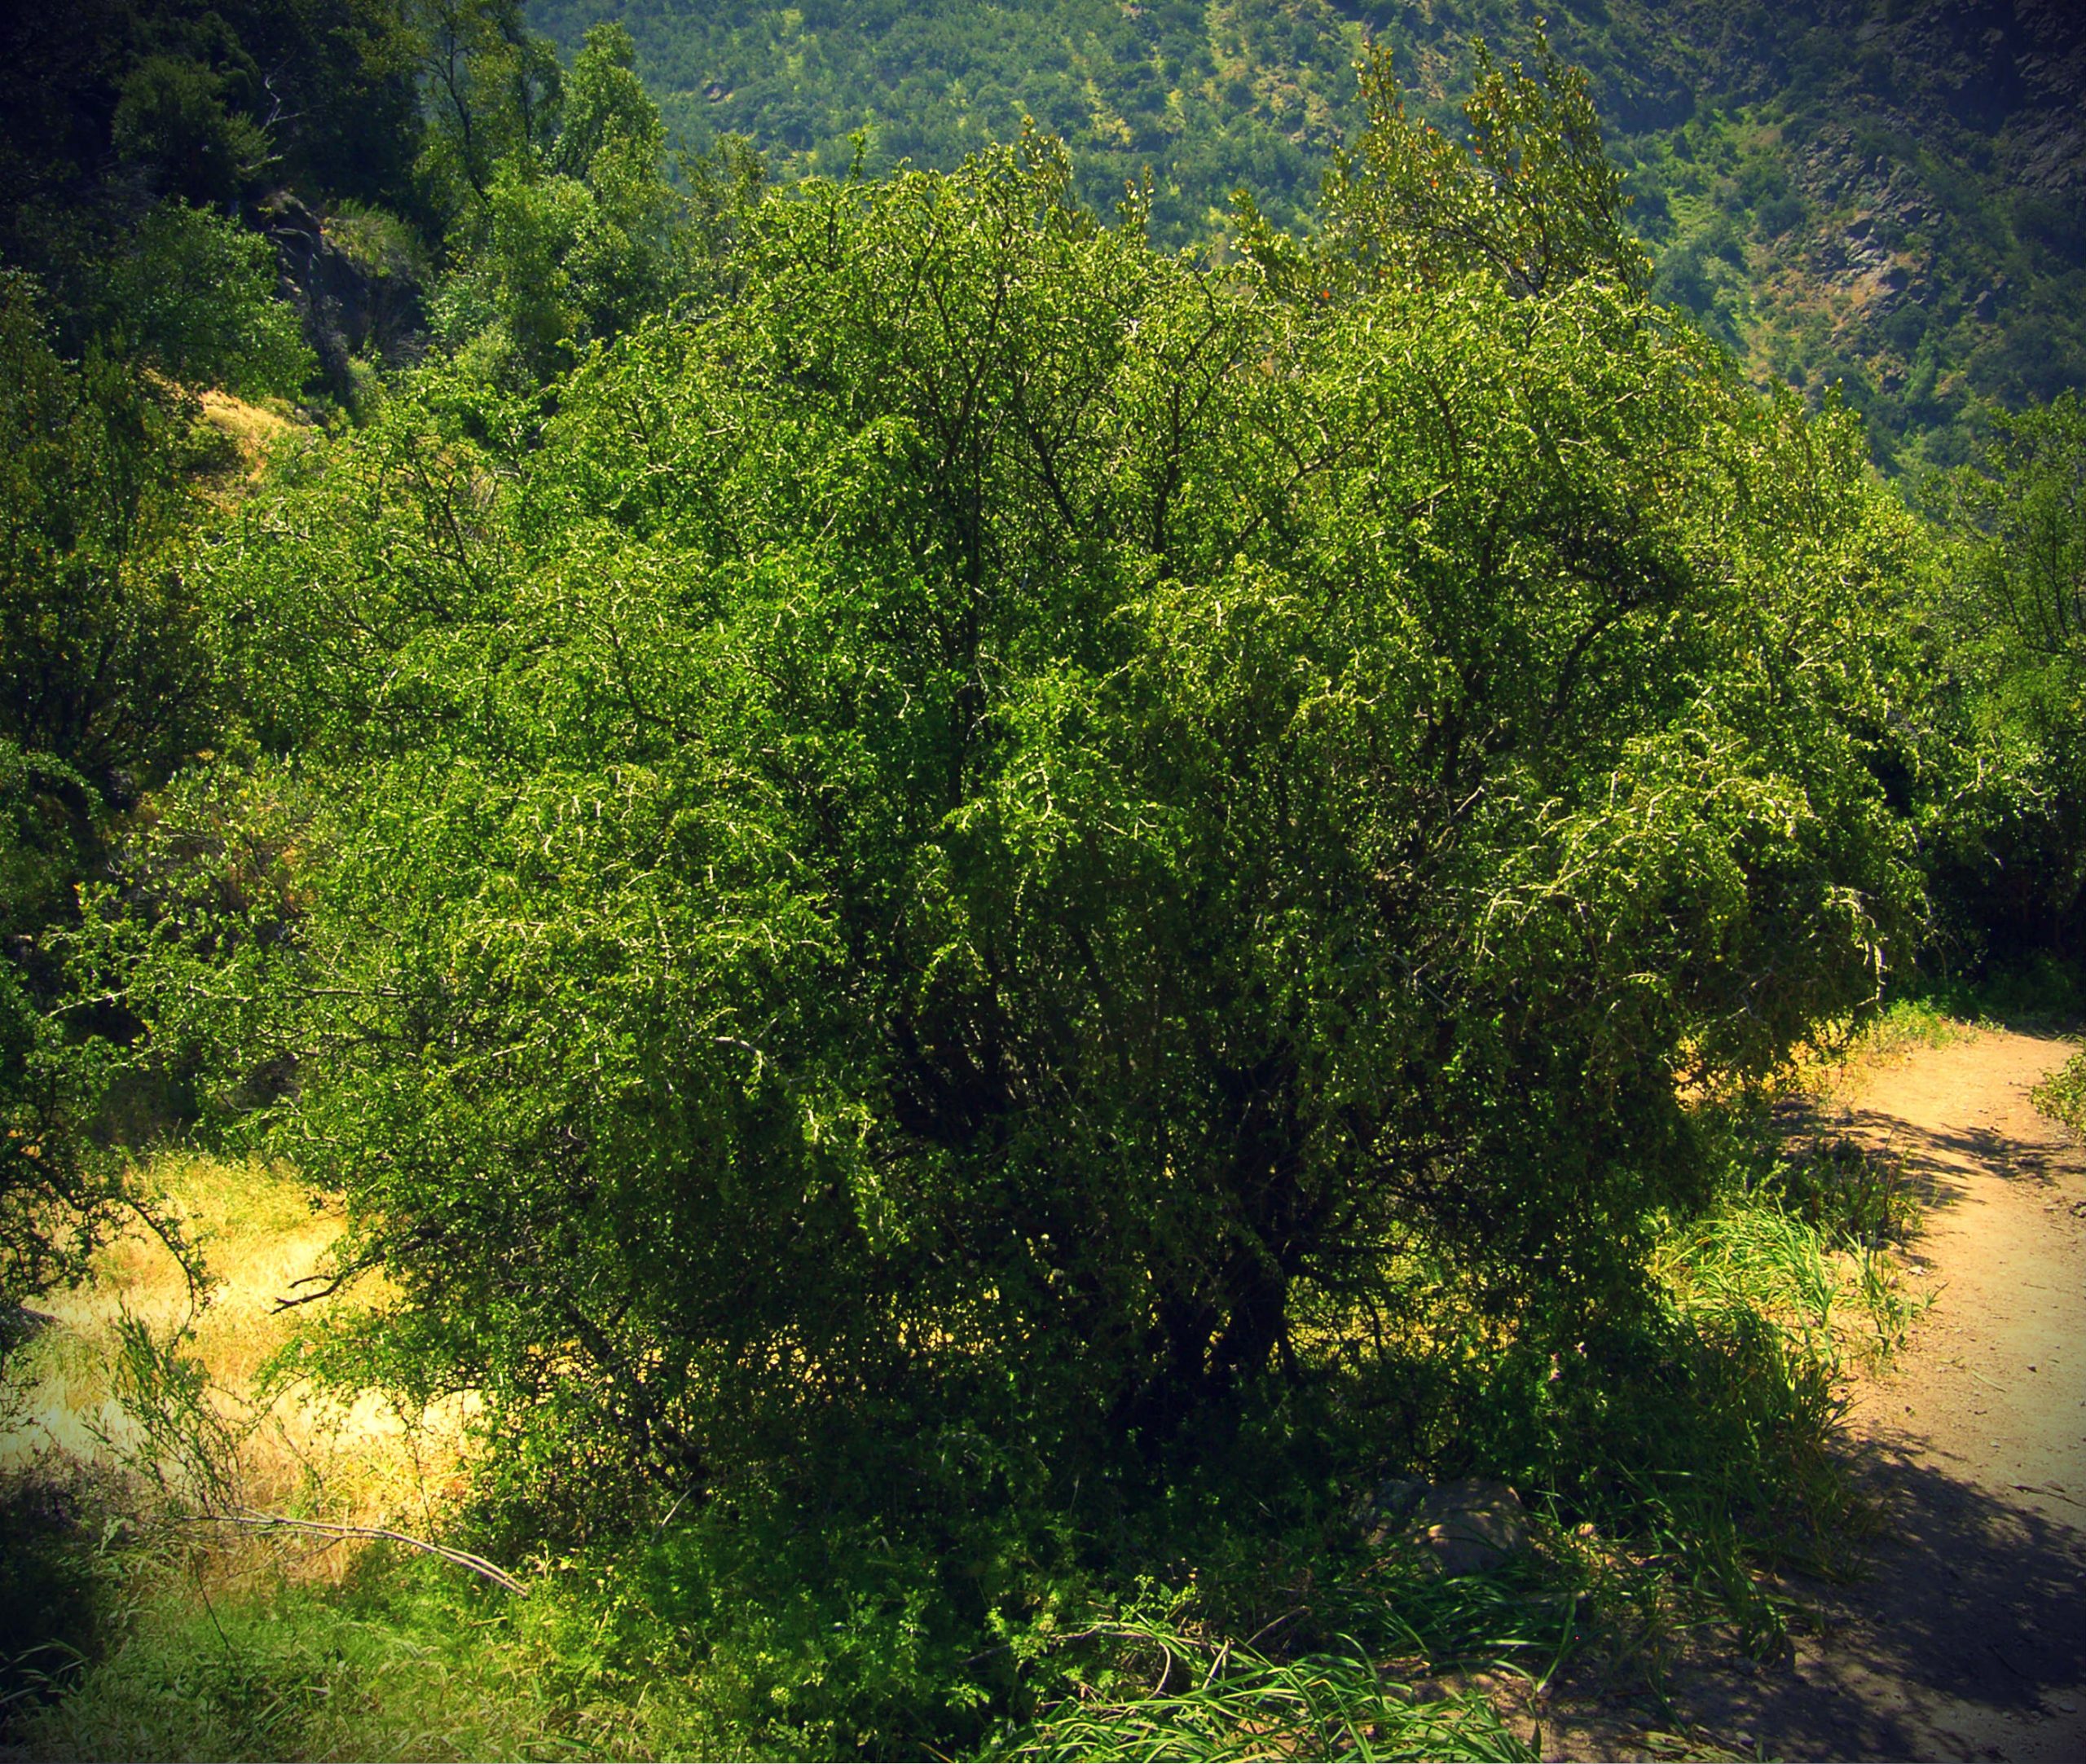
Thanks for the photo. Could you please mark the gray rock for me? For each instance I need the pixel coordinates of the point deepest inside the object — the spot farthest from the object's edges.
(346, 309)
(1467, 1526)
(1397, 1498)
(1470, 1525)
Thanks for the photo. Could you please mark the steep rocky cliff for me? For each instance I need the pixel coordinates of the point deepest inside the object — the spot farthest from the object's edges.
(357, 300)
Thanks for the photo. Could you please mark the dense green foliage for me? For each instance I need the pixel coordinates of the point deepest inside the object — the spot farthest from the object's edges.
(105, 671)
(1847, 192)
(161, 162)
(1047, 896)
(124, 123)
(125, 289)
(972, 908)
(106, 690)
(2009, 841)
(562, 230)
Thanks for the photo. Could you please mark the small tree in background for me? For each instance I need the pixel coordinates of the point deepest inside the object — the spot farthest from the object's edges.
(2008, 828)
(1530, 198)
(2023, 516)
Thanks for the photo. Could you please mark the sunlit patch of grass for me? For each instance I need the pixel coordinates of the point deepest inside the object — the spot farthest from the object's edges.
(186, 1385)
(1161, 1692)
(393, 1664)
(1803, 1240)
(234, 438)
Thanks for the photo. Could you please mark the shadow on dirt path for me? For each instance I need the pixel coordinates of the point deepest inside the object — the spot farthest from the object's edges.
(1967, 1638)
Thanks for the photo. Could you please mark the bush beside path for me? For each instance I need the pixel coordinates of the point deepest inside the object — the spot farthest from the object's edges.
(1967, 1639)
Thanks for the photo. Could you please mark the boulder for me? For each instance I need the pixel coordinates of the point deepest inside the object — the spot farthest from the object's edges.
(1472, 1524)
(1468, 1526)
(347, 308)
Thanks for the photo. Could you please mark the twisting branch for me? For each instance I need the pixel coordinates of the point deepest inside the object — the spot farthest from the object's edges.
(328, 1284)
(477, 1564)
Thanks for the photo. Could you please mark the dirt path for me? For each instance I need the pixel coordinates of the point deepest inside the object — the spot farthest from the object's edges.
(1968, 1639)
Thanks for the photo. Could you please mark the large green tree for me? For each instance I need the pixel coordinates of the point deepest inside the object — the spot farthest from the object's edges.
(100, 665)
(1013, 829)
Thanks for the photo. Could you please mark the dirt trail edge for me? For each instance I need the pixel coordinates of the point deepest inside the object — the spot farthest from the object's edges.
(1967, 1640)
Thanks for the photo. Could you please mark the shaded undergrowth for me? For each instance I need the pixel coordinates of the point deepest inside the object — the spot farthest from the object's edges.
(1242, 1597)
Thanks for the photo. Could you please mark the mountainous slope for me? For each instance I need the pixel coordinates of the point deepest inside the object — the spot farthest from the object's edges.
(1890, 195)
(1893, 197)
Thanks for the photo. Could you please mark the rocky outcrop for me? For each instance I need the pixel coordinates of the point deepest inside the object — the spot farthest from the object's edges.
(350, 308)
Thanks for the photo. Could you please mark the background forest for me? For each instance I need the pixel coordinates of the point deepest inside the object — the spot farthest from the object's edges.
(1885, 197)
(957, 895)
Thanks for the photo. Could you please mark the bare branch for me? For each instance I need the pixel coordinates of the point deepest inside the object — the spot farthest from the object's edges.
(477, 1564)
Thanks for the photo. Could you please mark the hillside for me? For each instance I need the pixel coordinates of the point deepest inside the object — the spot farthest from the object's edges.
(821, 966)
(1880, 193)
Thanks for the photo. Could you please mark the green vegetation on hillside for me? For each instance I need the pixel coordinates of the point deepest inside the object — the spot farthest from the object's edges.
(1854, 192)
(965, 921)
(134, 130)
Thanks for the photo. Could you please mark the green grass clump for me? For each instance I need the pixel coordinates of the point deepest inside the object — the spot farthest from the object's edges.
(1849, 1196)
(2062, 1095)
(1165, 1694)
(395, 1663)
(2039, 993)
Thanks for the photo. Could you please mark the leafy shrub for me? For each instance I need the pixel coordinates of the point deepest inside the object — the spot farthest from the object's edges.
(1846, 1192)
(2009, 821)
(1780, 214)
(2062, 1095)
(193, 295)
(104, 673)
(963, 842)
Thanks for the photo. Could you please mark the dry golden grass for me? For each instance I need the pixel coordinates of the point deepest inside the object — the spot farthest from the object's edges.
(276, 1444)
(248, 432)
(251, 428)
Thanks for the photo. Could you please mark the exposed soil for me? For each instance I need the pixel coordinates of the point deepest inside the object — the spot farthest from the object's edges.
(1967, 1638)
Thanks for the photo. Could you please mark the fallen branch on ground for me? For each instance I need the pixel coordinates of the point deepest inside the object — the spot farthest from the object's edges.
(477, 1564)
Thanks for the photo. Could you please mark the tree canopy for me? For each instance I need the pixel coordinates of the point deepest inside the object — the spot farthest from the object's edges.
(1010, 825)
(935, 880)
